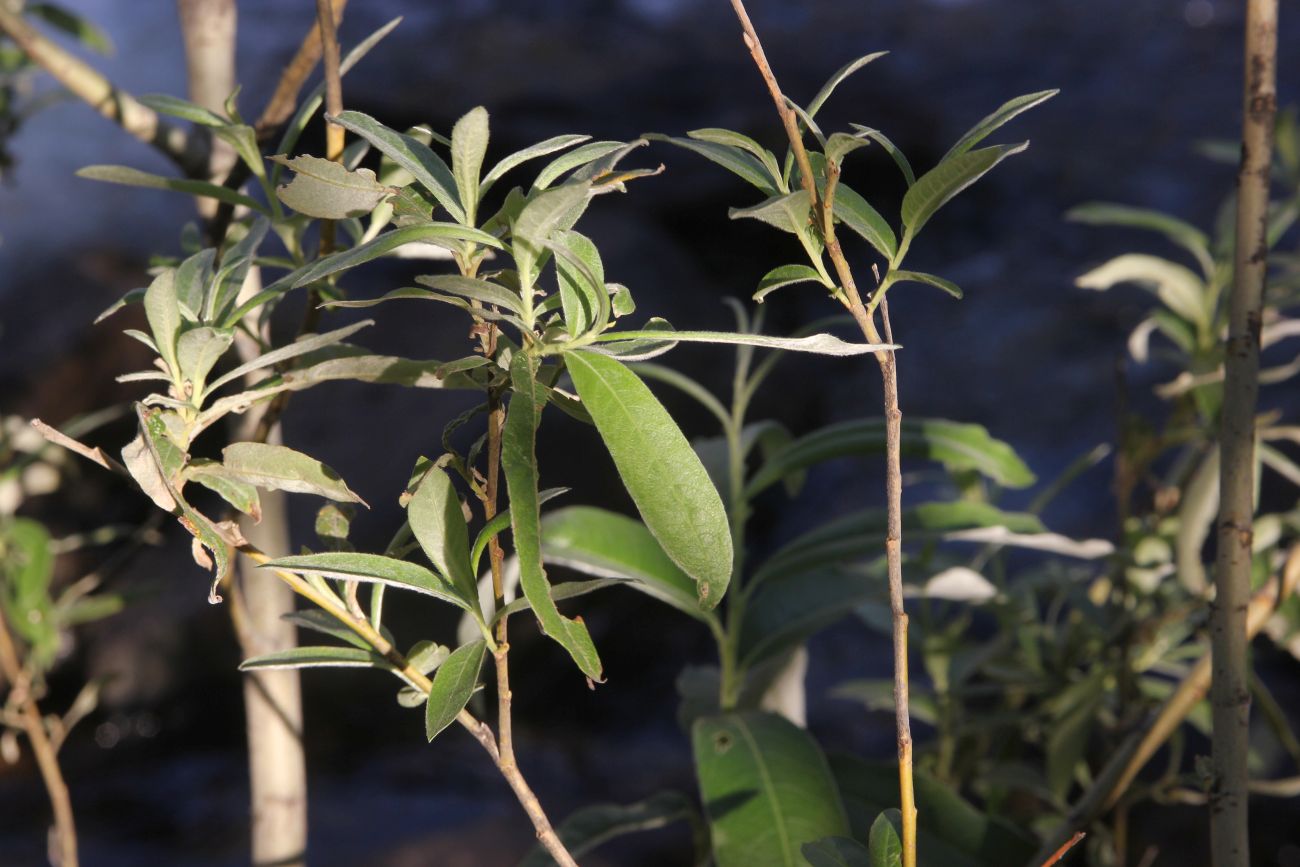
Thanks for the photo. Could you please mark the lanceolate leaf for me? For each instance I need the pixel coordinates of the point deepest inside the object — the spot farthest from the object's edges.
(281, 468)
(890, 148)
(541, 149)
(469, 141)
(317, 657)
(581, 277)
(233, 490)
(371, 568)
(164, 314)
(428, 169)
(439, 526)
(666, 480)
(1176, 286)
(302, 346)
(957, 446)
(473, 289)
(519, 462)
(789, 212)
(990, 124)
(444, 235)
(201, 189)
(938, 186)
(785, 275)
(842, 73)
(544, 214)
(733, 159)
(453, 684)
(608, 545)
(818, 344)
(727, 138)
(928, 279)
(574, 159)
(854, 211)
(766, 787)
(1181, 233)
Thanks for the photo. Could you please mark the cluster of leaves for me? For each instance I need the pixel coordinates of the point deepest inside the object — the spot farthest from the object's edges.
(39, 615)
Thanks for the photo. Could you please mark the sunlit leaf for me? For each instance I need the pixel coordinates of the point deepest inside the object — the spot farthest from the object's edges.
(928, 279)
(325, 189)
(990, 124)
(428, 169)
(469, 141)
(275, 467)
(201, 189)
(371, 568)
(316, 657)
(938, 186)
(439, 525)
(785, 275)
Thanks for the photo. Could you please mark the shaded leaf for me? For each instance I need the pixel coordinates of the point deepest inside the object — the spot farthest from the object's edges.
(854, 211)
(730, 157)
(818, 344)
(1179, 232)
(789, 212)
(785, 275)
(323, 622)
(234, 490)
(837, 852)
(1177, 287)
(439, 525)
(473, 289)
(766, 788)
(591, 826)
(201, 189)
(890, 148)
(453, 684)
(885, 841)
(835, 80)
(519, 462)
(1007, 111)
(928, 279)
(601, 543)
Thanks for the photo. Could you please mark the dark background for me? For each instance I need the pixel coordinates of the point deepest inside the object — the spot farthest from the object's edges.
(158, 774)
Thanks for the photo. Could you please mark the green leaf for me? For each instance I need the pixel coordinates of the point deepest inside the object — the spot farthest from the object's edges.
(443, 235)
(323, 622)
(469, 141)
(182, 108)
(198, 349)
(591, 826)
(835, 80)
(1176, 286)
(581, 277)
(229, 487)
(453, 684)
(731, 158)
(928, 279)
(1179, 232)
(938, 186)
(575, 159)
(541, 149)
(439, 525)
(728, 138)
(193, 276)
(202, 189)
(766, 788)
(544, 214)
(164, 314)
(371, 568)
(785, 275)
(854, 211)
(957, 446)
(841, 144)
(326, 190)
(890, 148)
(500, 522)
(785, 611)
(519, 462)
(224, 288)
(317, 657)
(661, 472)
(818, 344)
(790, 212)
(990, 124)
(885, 842)
(425, 166)
(608, 545)
(279, 468)
(413, 292)
(473, 289)
(304, 345)
(1067, 739)
(837, 852)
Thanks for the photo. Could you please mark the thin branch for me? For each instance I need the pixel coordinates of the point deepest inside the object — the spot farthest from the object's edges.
(1230, 698)
(90, 453)
(284, 100)
(34, 726)
(824, 207)
(1066, 847)
(187, 150)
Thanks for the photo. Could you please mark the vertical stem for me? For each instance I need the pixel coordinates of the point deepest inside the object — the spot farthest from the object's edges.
(65, 829)
(329, 43)
(1230, 693)
(823, 208)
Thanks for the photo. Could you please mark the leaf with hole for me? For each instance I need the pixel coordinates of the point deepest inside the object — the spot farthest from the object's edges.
(766, 788)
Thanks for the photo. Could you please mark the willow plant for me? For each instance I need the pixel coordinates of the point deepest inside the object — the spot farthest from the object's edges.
(805, 197)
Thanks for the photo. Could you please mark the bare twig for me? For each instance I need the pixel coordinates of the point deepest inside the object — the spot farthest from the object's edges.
(188, 151)
(823, 206)
(285, 98)
(34, 725)
(1066, 847)
(1230, 698)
